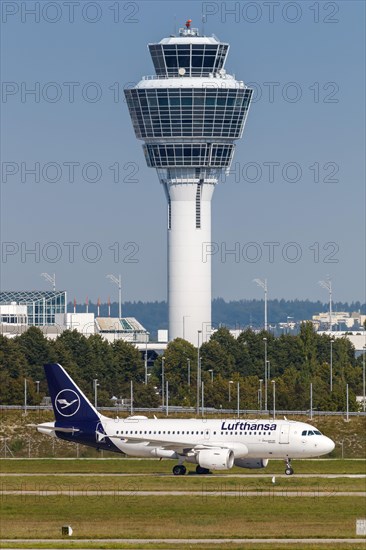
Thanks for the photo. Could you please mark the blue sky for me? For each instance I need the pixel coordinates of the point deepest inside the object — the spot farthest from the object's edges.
(295, 201)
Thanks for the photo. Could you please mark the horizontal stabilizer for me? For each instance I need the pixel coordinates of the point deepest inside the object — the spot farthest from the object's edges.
(45, 429)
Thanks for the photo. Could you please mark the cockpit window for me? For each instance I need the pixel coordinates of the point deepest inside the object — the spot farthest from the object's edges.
(311, 432)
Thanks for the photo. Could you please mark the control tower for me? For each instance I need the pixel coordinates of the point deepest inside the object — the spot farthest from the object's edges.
(189, 115)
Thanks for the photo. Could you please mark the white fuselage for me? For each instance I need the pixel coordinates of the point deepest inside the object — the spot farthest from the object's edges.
(246, 438)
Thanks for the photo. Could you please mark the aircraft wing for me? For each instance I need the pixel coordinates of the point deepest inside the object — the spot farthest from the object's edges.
(181, 447)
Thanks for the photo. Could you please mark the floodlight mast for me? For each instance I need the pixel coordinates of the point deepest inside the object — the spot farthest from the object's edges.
(328, 286)
(189, 116)
(263, 284)
(117, 281)
(51, 279)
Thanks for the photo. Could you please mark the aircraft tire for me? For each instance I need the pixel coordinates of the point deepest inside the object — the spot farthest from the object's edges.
(179, 470)
(202, 471)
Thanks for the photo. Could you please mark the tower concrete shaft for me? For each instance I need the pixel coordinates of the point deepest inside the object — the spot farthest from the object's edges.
(189, 114)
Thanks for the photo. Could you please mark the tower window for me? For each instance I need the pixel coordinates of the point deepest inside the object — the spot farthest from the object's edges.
(198, 205)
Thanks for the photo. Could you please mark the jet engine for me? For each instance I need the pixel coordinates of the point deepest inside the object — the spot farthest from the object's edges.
(216, 459)
(251, 463)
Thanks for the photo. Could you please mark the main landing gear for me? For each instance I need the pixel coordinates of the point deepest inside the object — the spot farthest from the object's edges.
(179, 470)
(288, 471)
(202, 471)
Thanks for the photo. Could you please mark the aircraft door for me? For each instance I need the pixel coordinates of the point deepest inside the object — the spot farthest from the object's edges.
(285, 433)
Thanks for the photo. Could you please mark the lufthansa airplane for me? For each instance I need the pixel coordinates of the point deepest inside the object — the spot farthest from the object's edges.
(211, 444)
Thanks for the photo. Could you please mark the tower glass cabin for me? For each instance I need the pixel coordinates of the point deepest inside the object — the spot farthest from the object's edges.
(189, 115)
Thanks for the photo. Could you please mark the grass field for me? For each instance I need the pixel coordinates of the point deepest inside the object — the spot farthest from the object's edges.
(153, 517)
(178, 546)
(208, 513)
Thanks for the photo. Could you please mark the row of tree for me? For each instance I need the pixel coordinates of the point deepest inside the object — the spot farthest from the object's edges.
(227, 364)
(233, 314)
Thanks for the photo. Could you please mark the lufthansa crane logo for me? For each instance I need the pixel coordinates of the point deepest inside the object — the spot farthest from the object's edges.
(67, 402)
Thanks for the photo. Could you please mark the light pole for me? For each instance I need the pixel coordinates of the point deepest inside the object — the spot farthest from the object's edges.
(238, 397)
(167, 398)
(230, 382)
(211, 371)
(263, 284)
(260, 394)
(131, 396)
(162, 381)
(189, 371)
(203, 398)
(117, 281)
(363, 379)
(25, 396)
(268, 369)
(331, 365)
(265, 376)
(95, 385)
(198, 371)
(311, 400)
(274, 398)
(347, 403)
(146, 336)
(37, 382)
(51, 279)
(328, 286)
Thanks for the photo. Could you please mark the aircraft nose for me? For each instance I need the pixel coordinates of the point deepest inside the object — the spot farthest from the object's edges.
(328, 445)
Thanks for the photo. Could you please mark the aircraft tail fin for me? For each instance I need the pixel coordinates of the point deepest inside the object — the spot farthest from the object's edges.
(68, 401)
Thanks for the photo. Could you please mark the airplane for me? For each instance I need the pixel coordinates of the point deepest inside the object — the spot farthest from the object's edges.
(213, 444)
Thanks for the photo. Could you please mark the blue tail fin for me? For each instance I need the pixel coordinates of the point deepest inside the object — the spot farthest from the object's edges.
(68, 401)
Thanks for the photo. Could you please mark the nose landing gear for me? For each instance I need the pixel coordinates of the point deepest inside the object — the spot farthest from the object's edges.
(289, 470)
